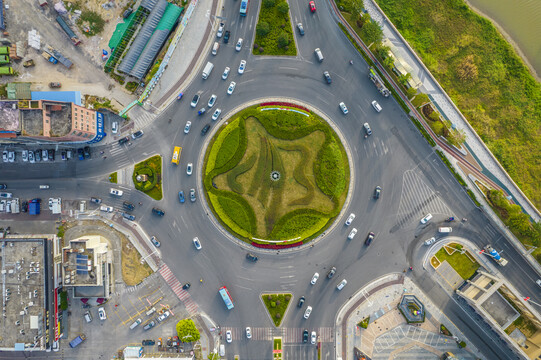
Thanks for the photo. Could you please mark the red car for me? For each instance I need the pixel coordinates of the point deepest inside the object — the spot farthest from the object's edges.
(312, 5)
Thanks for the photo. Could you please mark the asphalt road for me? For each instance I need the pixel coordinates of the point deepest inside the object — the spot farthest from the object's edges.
(396, 157)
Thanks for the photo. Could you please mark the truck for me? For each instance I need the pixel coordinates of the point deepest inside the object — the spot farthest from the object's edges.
(55, 85)
(78, 340)
(34, 207)
(29, 63)
(373, 75)
(4, 50)
(15, 208)
(49, 57)
(495, 255)
(6, 70)
(4, 59)
(207, 70)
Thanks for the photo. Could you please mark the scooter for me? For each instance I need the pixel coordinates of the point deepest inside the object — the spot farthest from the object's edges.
(450, 219)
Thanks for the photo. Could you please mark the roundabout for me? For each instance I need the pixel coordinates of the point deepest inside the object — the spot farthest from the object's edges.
(276, 175)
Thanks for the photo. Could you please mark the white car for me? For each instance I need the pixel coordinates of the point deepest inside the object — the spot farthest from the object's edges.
(101, 313)
(538, 282)
(307, 312)
(195, 100)
(313, 338)
(220, 30)
(212, 100)
(228, 336)
(342, 284)
(106, 208)
(25, 155)
(11, 156)
(426, 218)
(238, 47)
(197, 243)
(189, 168)
(352, 233)
(430, 241)
(248, 333)
(187, 127)
(242, 66)
(116, 192)
(114, 127)
(231, 88)
(163, 316)
(5, 156)
(343, 108)
(350, 219)
(314, 278)
(376, 106)
(226, 73)
(216, 114)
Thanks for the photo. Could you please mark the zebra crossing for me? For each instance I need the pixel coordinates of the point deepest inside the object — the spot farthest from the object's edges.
(418, 199)
(176, 286)
(141, 117)
(289, 335)
(120, 154)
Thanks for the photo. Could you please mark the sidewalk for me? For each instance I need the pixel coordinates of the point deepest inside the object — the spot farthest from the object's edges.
(491, 166)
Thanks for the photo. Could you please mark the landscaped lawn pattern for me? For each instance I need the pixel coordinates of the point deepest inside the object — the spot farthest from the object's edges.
(463, 265)
(276, 305)
(485, 78)
(151, 167)
(277, 348)
(278, 25)
(311, 163)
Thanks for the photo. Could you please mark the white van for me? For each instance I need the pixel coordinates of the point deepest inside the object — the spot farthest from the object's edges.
(215, 48)
(88, 317)
(207, 70)
(135, 324)
(319, 54)
(222, 350)
(43, 187)
(151, 311)
(106, 208)
(445, 229)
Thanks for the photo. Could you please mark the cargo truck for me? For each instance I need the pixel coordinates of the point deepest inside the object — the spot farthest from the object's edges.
(495, 255)
(207, 70)
(6, 70)
(78, 340)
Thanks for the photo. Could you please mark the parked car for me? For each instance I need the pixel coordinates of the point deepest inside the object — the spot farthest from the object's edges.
(106, 208)
(5, 156)
(251, 257)
(305, 335)
(101, 313)
(31, 157)
(155, 241)
(24, 155)
(38, 155)
(157, 211)
(147, 342)
(197, 243)
(149, 325)
(64, 155)
(163, 316)
(128, 216)
(114, 127)
(3, 186)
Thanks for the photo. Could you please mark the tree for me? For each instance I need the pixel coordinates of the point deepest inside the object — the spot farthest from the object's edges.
(404, 78)
(410, 93)
(186, 331)
(456, 137)
(269, 3)
(283, 39)
(282, 7)
(262, 29)
(213, 356)
(372, 33)
(383, 51)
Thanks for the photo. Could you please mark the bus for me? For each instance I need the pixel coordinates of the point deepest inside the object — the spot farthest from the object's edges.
(226, 297)
(244, 7)
(176, 154)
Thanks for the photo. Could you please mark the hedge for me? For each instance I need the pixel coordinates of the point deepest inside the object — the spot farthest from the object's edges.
(278, 23)
(216, 144)
(236, 211)
(293, 223)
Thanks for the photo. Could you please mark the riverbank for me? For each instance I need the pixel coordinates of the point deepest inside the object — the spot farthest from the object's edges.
(536, 73)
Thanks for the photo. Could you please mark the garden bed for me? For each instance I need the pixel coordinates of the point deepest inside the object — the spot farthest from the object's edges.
(274, 35)
(276, 305)
(151, 169)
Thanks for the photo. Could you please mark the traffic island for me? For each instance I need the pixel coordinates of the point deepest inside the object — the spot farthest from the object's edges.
(276, 305)
(276, 175)
(277, 348)
(147, 177)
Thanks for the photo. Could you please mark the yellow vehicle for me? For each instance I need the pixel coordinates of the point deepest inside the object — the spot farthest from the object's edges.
(176, 154)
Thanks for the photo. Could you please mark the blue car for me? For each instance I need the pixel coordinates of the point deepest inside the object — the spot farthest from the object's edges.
(181, 196)
(81, 155)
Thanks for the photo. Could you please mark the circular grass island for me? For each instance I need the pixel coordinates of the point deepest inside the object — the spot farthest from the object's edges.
(276, 175)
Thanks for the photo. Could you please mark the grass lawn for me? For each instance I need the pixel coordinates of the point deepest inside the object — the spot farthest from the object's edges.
(151, 167)
(133, 272)
(113, 178)
(279, 25)
(276, 305)
(462, 263)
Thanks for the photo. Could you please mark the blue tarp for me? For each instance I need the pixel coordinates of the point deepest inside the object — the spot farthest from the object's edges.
(64, 96)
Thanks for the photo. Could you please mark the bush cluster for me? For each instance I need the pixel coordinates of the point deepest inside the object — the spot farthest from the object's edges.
(273, 37)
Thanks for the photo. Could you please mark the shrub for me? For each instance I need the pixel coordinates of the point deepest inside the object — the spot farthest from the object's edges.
(269, 3)
(283, 39)
(462, 344)
(273, 304)
(262, 29)
(282, 7)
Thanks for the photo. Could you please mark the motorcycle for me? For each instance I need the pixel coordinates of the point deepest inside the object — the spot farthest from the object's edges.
(450, 219)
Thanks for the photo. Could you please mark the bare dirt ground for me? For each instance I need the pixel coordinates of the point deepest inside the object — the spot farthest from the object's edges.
(86, 74)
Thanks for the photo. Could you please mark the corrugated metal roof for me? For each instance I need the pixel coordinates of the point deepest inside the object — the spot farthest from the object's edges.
(64, 96)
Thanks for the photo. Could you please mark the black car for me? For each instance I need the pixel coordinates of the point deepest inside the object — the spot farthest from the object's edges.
(301, 301)
(186, 286)
(158, 212)
(3, 186)
(305, 336)
(87, 152)
(377, 192)
(251, 257)
(148, 342)
(137, 134)
(123, 140)
(128, 206)
(205, 129)
(331, 273)
(24, 206)
(226, 36)
(369, 238)
(327, 77)
(51, 155)
(81, 154)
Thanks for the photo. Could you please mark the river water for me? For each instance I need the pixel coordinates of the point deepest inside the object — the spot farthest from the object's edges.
(521, 21)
